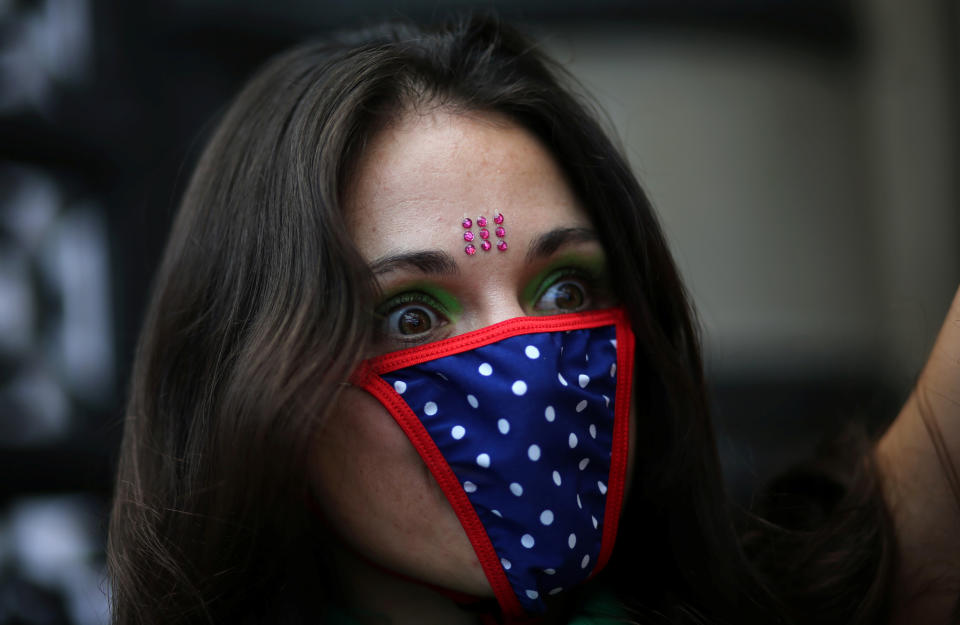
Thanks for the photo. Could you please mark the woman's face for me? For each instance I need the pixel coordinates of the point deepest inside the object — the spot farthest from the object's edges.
(413, 187)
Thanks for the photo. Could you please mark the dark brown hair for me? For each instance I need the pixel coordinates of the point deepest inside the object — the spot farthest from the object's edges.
(260, 310)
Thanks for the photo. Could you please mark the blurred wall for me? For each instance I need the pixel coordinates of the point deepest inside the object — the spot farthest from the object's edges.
(809, 192)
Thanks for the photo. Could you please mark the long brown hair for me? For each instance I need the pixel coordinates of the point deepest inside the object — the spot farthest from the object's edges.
(260, 312)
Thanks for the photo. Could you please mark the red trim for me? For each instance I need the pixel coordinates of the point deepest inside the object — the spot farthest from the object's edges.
(478, 338)
(616, 482)
(451, 487)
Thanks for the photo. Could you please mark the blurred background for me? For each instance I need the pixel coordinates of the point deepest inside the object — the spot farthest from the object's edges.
(803, 156)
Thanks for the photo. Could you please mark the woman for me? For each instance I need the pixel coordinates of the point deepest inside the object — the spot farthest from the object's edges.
(373, 327)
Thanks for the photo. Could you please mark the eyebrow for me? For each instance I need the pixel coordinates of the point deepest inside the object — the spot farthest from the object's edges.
(432, 262)
(440, 263)
(549, 242)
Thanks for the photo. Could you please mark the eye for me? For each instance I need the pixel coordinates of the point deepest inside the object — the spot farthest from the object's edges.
(566, 295)
(411, 320)
(410, 317)
(569, 290)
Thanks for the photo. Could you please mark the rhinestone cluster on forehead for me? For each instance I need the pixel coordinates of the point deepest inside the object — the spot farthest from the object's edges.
(484, 234)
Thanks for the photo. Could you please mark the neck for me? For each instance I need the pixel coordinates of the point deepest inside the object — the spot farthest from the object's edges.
(374, 595)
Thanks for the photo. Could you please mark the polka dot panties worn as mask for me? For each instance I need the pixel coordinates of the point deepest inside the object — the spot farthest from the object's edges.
(524, 424)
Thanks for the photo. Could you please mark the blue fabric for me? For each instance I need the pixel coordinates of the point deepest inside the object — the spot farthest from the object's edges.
(526, 424)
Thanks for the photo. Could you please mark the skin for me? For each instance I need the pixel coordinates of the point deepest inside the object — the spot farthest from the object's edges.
(416, 182)
(924, 506)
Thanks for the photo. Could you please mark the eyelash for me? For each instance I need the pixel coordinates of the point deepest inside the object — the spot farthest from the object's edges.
(592, 282)
(427, 302)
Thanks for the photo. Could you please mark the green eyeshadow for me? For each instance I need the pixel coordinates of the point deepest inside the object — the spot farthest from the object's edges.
(448, 304)
(594, 264)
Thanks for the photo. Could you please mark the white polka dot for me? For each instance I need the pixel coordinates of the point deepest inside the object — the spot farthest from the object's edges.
(506, 563)
(585, 562)
(485, 369)
(582, 405)
(583, 379)
(527, 541)
(533, 594)
(572, 440)
(457, 432)
(602, 487)
(532, 352)
(472, 401)
(550, 413)
(596, 524)
(497, 512)
(556, 478)
(546, 517)
(503, 425)
(593, 431)
(400, 386)
(613, 370)
(579, 505)
(607, 400)
(572, 541)
(613, 342)
(533, 452)
(555, 591)
(519, 388)
(583, 463)
(516, 489)
(470, 487)
(483, 460)
(587, 357)
(550, 571)
(430, 408)
(562, 381)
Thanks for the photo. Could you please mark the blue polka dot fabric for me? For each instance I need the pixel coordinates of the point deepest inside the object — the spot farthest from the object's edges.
(526, 424)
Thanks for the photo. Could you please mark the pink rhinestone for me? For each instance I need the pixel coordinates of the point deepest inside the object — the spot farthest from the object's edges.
(498, 219)
(484, 234)
(468, 236)
(470, 250)
(502, 245)
(482, 221)
(467, 223)
(501, 232)
(486, 245)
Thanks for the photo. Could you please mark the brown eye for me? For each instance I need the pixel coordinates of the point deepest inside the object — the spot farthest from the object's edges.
(412, 321)
(410, 317)
(563, 296)
(568, 296)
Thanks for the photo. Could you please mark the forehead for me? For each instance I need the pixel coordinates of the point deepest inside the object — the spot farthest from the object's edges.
(420, 177)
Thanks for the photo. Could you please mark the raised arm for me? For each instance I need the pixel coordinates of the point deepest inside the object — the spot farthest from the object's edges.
(919, 458)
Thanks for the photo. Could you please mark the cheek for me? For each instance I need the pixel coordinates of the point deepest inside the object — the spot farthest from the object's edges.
(367, 474)
(379, 498)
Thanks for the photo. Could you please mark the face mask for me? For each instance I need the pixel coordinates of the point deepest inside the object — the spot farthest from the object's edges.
(524, 424)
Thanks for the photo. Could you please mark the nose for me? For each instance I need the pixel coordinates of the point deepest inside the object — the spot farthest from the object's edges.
(500, 303)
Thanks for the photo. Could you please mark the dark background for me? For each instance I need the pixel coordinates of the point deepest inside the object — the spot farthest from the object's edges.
(105, 105)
